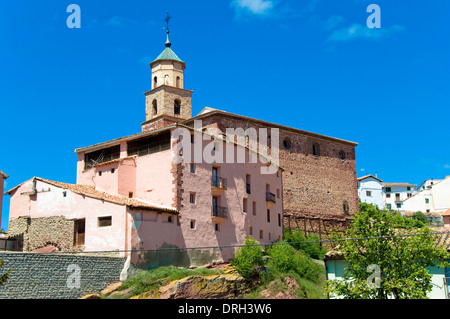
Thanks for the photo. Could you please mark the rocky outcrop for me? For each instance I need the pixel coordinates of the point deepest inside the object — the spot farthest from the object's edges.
(225, 286)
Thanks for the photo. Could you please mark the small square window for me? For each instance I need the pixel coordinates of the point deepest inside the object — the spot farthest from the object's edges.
(64, 194)
(399, 205)
(130, 195)
(113, 170)
(388, 195)
(192, 224)
(104, 221)
(369, 193)
(169, 219)
(427, 200)
(192, 168)
(388, 189)
(192, 198)
(217, 227)
(100, 173)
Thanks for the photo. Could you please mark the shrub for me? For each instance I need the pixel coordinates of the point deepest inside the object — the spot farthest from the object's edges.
(248, 259)
(284, 258)
(297, 240)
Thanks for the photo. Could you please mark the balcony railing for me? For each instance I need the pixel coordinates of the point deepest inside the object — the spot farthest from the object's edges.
(397, 199)
(270, 197)
(219, 182)
(219, 212)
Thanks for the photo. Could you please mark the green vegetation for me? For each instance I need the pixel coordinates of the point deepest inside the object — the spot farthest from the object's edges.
(299, 242)
(402, 261)
(285, 268)
(5, 276)
(152, 280)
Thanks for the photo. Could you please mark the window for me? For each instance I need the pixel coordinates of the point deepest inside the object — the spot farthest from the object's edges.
(100, 173)
(64, 194)
(369, 193)
(251, 231)
(279, 220)
(389, 206)
(177, 107)
(287, 144)
(192, 138)
(409, 195)
(216, 226)
(268, 215)
(254, 208)
(192, 198)
(104, 221)
(399, 205)
(342, 155)
(428, 210)
(101, 156)
(79, 232)
(113, 170)
(149, 145)
(316, 149)
(155, 82)
(247, 184)
(427, 200)
(345, 207)
(155, 107)
(278, 193)
(169, 219)
(244, 205)
(408, 188)
(192, 224)
(192, 168)
(388, 189)
(178, 82)
(130, 195)
(261, 234)
(388, 195)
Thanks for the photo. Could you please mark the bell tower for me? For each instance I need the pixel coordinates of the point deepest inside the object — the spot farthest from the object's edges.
(167, 102)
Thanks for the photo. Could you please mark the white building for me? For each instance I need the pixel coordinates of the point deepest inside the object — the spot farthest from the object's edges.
(370, 190)
(428, 183)
(433, 199)
(395, 193)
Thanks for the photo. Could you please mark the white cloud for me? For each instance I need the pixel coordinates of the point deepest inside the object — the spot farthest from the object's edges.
(257, 7)
(358, 31)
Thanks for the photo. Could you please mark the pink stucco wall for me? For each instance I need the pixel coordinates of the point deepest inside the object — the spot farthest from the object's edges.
(50, 201)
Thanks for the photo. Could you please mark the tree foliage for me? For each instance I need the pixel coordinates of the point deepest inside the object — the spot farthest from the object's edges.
(402, 261)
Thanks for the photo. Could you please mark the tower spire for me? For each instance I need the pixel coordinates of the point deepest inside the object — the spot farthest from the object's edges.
(167, 19)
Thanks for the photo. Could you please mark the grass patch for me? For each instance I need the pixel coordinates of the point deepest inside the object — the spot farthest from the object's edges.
(152, 280)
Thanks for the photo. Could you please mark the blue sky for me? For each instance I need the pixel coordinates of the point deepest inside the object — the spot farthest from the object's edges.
(310, 64)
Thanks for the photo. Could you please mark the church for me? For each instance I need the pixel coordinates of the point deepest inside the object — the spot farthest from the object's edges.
(134, 196)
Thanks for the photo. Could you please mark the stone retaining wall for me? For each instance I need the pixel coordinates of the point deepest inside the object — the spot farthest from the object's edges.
(57, 276)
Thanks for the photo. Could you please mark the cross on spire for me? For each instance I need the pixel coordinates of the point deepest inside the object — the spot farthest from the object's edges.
(167, 20)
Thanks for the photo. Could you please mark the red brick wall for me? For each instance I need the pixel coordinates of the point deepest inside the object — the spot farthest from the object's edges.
(311, 185)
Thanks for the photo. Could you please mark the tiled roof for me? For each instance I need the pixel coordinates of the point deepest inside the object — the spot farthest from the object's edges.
(368, 176)
(4, 175)
(90, 191)
(168, 54)
(446, 213)
(398, 184)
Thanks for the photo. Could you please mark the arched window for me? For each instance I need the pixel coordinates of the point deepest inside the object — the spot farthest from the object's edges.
(177, 107)
(155, 82)
(287, 144)
(155, 107)
(178, 82)
(166, 79)
(342, 155)
(316, 149)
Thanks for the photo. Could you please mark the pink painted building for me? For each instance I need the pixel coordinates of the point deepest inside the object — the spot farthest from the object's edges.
(133, 196)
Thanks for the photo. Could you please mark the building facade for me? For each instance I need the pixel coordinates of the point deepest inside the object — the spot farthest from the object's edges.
(183, 190)
(433, 199)
(370, 191)
(395, 193)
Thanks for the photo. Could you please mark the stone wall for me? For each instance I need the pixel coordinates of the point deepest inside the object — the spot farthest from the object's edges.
(41, 232)
(57, 276)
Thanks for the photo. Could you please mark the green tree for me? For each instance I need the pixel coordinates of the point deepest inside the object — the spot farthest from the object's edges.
(420, 218)
(402, 261)
(248, 259)
(5, 276)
